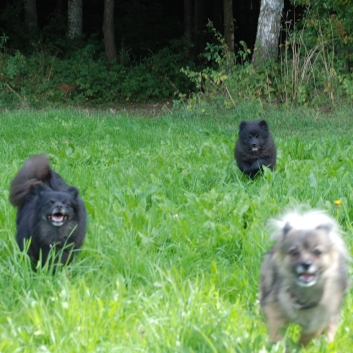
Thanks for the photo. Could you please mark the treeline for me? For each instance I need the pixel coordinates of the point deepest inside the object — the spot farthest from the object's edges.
(68, 51)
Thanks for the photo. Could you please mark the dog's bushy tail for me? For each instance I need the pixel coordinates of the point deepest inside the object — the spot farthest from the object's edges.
(35, 170)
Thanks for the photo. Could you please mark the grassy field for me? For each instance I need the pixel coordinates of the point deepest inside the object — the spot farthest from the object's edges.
(176, 233)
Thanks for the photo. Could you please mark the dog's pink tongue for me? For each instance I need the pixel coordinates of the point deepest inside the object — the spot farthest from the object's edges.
(57, 218)
(306, 276)
(255, 149)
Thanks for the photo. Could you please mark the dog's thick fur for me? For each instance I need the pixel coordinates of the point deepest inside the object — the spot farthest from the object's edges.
(50, 214)
(255, 147)
(304, 276)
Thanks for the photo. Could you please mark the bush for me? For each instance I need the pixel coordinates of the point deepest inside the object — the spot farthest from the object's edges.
(87, 77)
(309, 71)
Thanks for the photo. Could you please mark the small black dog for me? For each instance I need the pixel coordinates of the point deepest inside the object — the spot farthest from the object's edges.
(255, 147)
(50, 215)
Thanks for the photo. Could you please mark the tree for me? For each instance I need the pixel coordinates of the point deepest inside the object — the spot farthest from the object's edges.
(59, 5)
(188, 20)
(228, 24)
(268, 30)
(30, 7)
(108, 30)
(74, 18)
(199, 25)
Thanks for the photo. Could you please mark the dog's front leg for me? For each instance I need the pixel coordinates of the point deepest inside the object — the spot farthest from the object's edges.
(274, 322)
(305, 338)
(332, 328)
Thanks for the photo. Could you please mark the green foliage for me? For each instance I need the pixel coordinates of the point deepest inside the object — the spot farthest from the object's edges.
(231, 78)
(86, 77)
(313, 67)
(15, 66)
(348, 85)
(3, 39)
(10, 18)
(333, 18)
(54, 33)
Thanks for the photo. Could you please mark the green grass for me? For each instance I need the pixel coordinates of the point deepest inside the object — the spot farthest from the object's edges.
(176, 234)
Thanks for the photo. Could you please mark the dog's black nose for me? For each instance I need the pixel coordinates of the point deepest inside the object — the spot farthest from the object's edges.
(306, 264)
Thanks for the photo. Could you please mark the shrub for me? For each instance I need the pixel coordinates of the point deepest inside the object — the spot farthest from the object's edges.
(310, 70)
(87, 77)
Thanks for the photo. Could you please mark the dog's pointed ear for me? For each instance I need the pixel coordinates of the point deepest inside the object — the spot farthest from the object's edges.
(287, 227)
(242, 125)
(72, 191)
(263, 125)
(39, 189)
(327, 227)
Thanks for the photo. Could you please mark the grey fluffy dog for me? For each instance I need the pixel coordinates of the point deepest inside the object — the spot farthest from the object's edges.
(304, 276)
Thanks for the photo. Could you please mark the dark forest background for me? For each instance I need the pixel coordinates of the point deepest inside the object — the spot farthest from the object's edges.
(140, 25)
(156, 62)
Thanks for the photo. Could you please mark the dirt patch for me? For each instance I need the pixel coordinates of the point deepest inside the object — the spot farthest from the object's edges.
(143, 109)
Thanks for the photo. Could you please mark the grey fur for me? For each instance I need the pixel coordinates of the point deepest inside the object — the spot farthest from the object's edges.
(304, 276)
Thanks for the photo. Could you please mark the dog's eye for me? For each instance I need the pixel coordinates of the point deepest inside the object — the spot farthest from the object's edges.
(51, 202)
(257, 136)
(317, 252)
(293, 252)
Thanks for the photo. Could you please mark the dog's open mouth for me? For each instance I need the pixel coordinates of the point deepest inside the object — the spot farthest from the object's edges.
(254, 148)
(306, 279)
(57, 219)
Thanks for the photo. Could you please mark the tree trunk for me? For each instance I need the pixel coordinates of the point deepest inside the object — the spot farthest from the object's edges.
(31, 20)
(59, 5)
(228, 24)
(108, 30)
(268, 30)
(217, 18)
(74, 18)
(188, 20)
(199, 25)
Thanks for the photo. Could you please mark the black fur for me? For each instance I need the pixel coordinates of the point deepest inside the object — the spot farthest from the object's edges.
(50, 214)
(255, 147)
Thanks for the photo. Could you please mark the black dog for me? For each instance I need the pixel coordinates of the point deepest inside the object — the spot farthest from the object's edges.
(50, 215)
(255, 147)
